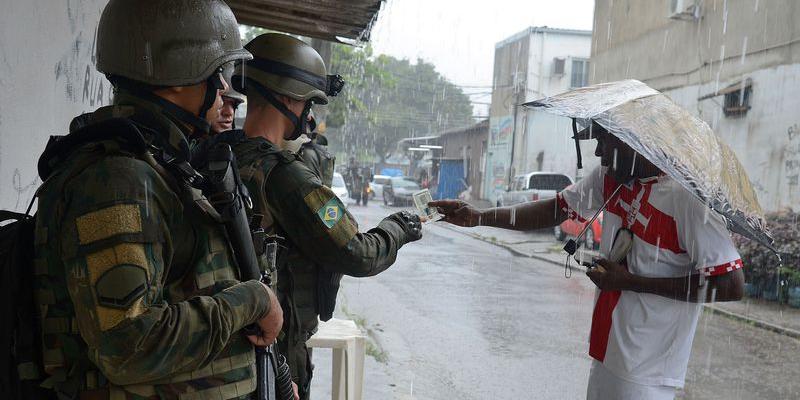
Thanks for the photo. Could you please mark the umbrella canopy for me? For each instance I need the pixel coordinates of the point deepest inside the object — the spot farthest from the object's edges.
(681, 145)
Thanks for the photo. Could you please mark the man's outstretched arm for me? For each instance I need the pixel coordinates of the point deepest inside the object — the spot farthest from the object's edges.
(522, 217)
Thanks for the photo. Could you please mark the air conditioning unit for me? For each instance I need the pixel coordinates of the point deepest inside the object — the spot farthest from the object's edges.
(686, 10)
(558, 66)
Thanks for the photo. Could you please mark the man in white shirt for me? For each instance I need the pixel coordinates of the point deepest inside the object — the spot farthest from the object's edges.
(647, 306)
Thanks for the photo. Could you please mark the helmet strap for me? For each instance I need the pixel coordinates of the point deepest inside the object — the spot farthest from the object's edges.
(298, 122)
(202, 127)
(213, 85)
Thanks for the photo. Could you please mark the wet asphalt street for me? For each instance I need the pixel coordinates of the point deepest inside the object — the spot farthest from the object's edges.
(458, 318)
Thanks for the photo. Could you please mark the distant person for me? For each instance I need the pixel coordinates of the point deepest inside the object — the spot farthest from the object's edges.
(646, 313)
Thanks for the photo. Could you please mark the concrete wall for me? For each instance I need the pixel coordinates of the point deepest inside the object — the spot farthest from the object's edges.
(510, 73)
(47, 76)
(732, 41)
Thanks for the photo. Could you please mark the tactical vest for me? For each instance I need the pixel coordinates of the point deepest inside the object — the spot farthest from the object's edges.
(205, 256)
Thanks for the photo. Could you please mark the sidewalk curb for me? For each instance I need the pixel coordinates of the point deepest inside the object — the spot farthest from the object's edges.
(514, 251)
(709, 307)
(753, 321)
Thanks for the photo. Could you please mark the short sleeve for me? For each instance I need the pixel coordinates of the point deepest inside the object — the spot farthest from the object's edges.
(705, 237)
(582, 199)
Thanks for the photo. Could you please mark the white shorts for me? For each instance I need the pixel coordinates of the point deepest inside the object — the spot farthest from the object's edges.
(603, 385)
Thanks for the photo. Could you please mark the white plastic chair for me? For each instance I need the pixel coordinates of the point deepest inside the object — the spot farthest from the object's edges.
(348, 345)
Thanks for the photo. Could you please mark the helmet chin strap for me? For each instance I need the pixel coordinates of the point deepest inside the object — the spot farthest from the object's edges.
(298, 122)
(198, 122)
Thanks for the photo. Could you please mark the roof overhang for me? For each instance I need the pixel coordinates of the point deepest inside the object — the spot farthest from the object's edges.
(332, 20)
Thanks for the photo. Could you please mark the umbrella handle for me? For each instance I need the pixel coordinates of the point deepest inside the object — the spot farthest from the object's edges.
(577, 143)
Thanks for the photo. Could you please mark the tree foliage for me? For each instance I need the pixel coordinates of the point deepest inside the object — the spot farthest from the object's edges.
(387, 99)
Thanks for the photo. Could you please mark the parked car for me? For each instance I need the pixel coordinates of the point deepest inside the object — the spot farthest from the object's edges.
(399, 190)
(533, 186)
(377, 185)
(571, 228)
(340, 189)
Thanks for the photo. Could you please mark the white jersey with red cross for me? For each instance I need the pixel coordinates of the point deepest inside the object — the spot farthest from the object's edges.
(642, 337)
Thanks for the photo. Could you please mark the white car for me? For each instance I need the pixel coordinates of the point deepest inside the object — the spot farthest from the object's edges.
(377, 185)
(340, 189)
(533, 186)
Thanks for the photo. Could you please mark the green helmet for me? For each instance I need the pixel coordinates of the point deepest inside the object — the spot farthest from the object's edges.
(286, 66)
(167, 43)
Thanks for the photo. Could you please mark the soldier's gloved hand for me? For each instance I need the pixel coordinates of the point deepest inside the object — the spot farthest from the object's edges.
(270, 323)
(410, 223)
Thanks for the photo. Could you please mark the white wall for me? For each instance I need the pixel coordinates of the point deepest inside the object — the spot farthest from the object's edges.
(544, 48)
(545, 133)
(766, 139)
(47, 76)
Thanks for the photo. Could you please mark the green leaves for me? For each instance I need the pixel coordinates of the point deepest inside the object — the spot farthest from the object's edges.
(387, 99)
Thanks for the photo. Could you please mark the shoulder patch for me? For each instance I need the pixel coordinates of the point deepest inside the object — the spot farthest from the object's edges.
(108, 222)
(331, 212)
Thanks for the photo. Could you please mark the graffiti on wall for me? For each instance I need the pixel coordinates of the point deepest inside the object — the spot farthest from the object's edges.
(791, 165)
(75, 68)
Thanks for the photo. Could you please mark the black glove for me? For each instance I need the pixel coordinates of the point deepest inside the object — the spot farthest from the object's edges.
(410, 223)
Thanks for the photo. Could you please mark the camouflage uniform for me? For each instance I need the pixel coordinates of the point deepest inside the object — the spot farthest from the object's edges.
(319, 232)
(137, 284)
(322, 237)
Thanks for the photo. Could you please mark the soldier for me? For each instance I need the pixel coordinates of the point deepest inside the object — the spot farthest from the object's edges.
(282, 81)
(231, 100)
(135, 278)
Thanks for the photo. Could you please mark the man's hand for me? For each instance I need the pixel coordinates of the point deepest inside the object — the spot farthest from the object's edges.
(270, 324)
(608, 275)
(295, 391)
(457, 212)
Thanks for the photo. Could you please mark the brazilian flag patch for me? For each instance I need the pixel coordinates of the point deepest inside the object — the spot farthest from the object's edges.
(331, 212)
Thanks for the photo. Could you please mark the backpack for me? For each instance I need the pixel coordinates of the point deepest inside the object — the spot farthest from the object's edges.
(20, 349)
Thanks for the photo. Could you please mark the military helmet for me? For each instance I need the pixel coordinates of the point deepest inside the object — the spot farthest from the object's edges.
(286, 66)
(167, 43)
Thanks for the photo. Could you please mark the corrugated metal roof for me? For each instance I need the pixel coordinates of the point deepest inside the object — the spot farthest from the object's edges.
(323, 19)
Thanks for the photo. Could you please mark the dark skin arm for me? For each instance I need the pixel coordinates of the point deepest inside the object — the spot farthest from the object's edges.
(611, 276)
(522, 217)
(727, 287)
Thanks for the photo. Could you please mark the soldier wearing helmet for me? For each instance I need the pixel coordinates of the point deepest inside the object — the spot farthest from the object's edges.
(138, 288)
(231, 100)
(284, 79)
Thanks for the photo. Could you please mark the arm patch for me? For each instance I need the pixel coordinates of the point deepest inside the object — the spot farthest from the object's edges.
(108, 222)
(119, 276)
(337, 223)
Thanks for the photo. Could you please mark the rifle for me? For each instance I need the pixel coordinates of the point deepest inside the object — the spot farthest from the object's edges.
(228, 196)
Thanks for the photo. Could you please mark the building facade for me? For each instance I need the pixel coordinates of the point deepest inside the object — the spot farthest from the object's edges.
(735, 64)
(529, 65)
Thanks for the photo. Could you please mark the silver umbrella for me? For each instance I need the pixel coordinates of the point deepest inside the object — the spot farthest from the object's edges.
(675, 141)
